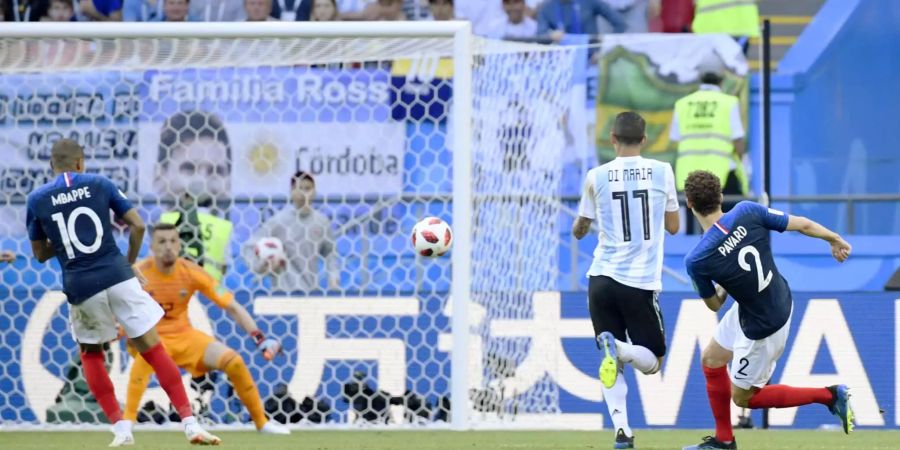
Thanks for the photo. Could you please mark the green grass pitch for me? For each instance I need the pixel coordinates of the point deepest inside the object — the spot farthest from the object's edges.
(427, 440)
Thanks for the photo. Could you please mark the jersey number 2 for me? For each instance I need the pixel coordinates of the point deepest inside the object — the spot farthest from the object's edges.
(742, 260)
(622, 197)
(67, 231)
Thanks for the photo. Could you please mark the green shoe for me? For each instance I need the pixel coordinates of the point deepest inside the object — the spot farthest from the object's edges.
(609, 367)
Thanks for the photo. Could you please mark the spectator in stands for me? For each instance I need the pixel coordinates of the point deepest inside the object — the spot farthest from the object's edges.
(142, 10)
(324, 11)
(415, 9)
(258, 10)
(353, 9)
(306, 235)
(441, 9)
(737, 19)
(218, 10)
(636, 13)
(488, 16)
(176, 10)
(102, 10)
(556, 18)
(379, 10)
(60, 11)
(293, 10)
(24, 10)
(676, 16)
(516, 24)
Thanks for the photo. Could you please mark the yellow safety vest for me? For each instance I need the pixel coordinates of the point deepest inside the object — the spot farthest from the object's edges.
(704, 123)
(733, 17)
(215, 233)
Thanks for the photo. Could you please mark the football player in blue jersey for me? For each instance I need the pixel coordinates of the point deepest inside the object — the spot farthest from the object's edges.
(734, 257)
(69, 218)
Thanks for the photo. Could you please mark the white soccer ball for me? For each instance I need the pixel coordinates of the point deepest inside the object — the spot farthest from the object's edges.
(270, 252)
(432, 237)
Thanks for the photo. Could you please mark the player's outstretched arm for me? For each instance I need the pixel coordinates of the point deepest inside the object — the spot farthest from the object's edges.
(268, 347)
(213, 290)
(840, 249)
(136, 228)
(581, 227)
(242, 317)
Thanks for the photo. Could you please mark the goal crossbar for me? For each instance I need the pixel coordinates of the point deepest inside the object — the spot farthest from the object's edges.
(229, 30)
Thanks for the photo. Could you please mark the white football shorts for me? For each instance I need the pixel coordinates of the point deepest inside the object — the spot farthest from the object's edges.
(94, 320)
(753, 361)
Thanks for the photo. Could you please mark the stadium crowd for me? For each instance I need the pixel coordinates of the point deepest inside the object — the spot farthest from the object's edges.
(519, 19)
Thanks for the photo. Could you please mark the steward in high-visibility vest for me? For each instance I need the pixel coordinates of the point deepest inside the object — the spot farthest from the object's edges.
(211, 249)
(707, 126)
(732, 17)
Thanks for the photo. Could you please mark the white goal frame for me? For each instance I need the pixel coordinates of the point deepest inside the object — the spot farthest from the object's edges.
(459, 31)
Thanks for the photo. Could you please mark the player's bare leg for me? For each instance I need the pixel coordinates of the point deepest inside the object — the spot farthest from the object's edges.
(151, 349)
(221, 357)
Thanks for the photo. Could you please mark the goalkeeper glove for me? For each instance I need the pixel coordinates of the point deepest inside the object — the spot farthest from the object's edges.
(269, 347)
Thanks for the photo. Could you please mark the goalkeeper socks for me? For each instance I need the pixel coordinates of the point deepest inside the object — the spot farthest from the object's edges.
(138, 379)
(169, 378)
(718, 388)
(641, 358)
(100, 385)
(615, 402)
(782, 396)
(233, 365)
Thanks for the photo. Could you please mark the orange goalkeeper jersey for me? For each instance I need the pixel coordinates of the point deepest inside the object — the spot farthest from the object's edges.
(173, 292)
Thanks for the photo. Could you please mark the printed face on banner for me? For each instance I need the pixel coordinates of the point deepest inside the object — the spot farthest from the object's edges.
(198, 168)
(266, 125)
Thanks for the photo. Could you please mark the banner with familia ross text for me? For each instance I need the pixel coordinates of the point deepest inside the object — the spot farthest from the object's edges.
(253, 128)
(240, 131)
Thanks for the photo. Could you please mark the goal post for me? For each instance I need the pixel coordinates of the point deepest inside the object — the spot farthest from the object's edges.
(461, 286)
(395, 121)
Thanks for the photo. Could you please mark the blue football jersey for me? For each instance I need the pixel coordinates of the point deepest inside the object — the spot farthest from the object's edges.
(736, 253)
(73, 212)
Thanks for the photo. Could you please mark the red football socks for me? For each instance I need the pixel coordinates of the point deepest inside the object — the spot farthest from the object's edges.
(782, 396)
(169, 378)
(718, 388)
(100, 385)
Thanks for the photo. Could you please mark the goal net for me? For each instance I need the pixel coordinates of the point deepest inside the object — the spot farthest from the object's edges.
(208, 132)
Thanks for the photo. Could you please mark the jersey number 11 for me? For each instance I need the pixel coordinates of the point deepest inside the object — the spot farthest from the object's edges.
(644, 196)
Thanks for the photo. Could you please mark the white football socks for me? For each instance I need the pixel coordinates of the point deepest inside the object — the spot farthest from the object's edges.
(615, 401)
(641, 358)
